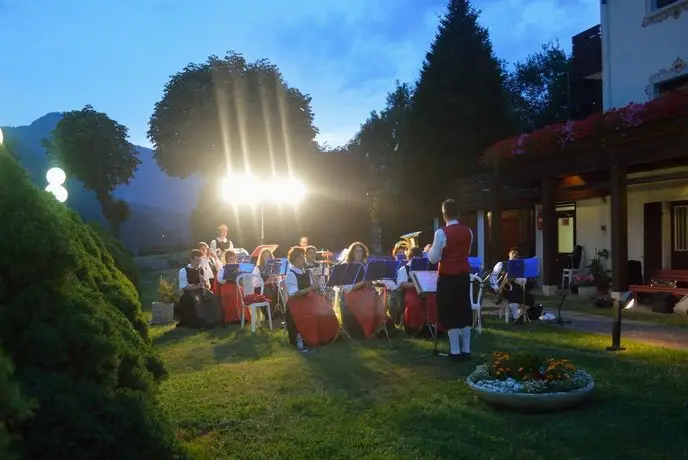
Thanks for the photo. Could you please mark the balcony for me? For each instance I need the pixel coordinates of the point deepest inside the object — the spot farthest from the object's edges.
(586, 55)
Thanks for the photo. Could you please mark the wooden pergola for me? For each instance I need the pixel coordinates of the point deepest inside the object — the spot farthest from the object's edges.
(596, 166)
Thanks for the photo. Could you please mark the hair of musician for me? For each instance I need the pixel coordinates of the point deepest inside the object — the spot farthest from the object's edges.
(195, 253)
(308, 248)
(230, 253)
(450, 208)
(203, 243)
(352, 248)
(222, 227)
(415, 252)
(515, 250)
(294, 253)
(262, 258)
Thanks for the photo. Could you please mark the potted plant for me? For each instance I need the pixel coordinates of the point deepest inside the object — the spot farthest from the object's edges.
(598, 269)
(585, 283)
(163, 309)
(529, 381)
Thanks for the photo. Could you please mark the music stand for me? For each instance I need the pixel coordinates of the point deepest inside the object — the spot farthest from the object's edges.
(274, 267)
(523, 268)
(231, 272)
(345, 275)
(425, 282)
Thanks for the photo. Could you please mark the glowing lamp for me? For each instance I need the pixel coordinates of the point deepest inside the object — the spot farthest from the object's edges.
(59, 192)
(56, 176)
(625, 302)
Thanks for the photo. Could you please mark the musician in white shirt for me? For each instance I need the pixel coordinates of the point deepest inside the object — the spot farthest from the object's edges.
(402, 282)
(516, 291)
(221, 242)
(210, 262)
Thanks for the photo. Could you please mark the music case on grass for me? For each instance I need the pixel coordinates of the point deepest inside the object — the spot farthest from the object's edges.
(425, 281)
(345, 275)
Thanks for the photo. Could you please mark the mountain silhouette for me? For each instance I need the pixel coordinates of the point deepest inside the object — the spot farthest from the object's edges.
(160, 205)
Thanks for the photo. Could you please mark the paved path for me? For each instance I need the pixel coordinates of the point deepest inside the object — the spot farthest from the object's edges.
(641, 331)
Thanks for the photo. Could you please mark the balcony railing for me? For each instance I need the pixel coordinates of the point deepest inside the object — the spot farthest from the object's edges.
(586, 53)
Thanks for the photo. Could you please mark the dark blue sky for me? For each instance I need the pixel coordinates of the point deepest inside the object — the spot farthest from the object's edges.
(117, 55)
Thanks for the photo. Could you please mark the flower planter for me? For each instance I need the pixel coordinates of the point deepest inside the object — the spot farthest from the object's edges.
(163, 313)
(587, 292)
(532, 401)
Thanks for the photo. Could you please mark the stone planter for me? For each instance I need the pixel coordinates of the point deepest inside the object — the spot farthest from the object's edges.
(536, 402)
(163, 313)
(587, 292)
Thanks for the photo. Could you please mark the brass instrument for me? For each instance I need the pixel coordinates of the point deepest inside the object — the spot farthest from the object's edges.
(408, 241)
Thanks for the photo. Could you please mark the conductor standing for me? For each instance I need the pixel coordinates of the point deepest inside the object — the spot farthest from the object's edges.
(451, 248)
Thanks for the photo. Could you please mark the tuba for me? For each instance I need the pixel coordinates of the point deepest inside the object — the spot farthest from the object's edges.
(408, 241)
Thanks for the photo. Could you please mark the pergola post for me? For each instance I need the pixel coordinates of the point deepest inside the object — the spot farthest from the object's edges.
(619, 223)
(496, 251)
(479, 239)
(549, 237)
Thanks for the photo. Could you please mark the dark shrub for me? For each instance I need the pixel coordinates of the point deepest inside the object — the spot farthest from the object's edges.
(66, 316)
(14, 409)
(123, 260)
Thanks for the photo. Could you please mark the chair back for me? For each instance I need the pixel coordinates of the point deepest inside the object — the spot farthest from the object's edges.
(248, 282)
(476, 298)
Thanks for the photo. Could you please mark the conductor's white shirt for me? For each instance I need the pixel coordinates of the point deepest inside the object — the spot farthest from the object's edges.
(440, 241)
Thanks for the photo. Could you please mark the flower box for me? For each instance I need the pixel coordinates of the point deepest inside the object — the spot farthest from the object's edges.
(528, 382)
(587, 292)
(163, 313)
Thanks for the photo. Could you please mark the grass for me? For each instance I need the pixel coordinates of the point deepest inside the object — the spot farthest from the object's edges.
(234, 395)
(642, 313)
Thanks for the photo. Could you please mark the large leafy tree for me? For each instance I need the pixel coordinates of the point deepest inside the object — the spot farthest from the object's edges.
(96, 150)
(231, 113)
(539, 88)
(228, 114)
(460, 105)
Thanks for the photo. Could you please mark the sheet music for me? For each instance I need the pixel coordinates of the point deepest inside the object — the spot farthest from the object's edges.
(424, 281)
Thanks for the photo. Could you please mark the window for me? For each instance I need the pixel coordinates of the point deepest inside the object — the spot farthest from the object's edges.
(671, 85)
(681, 228)
(566, 228)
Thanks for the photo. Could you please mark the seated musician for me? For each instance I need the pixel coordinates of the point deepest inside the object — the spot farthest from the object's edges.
(316, 269)
(310, 319)
(210, 263)
(229, 293)
(363, 311)
(398, 302)
(197, 307)
(270, 286)
(514, 290)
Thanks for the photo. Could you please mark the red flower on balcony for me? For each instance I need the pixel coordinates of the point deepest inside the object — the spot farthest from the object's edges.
(600, 129)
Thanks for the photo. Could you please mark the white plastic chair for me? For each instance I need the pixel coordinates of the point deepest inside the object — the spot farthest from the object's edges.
(247, 281)
(476, 302)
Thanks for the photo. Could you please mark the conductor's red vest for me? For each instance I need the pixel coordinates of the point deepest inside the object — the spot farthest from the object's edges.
(455, 254)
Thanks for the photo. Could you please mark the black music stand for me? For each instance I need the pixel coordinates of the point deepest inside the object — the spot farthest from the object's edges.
(231, 273)
(434, 328)
(345, 275)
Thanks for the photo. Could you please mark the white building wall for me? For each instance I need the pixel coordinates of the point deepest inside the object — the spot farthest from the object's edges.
(593, 225)
(636, 57)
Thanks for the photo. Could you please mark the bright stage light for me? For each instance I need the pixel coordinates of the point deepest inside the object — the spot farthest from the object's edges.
(56, 176)
(249, 190)
(59, 192)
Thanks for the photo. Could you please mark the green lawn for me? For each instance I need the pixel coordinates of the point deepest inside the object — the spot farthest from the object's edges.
(234, 395)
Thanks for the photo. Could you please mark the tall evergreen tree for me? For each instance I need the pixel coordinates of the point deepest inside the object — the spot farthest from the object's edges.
(460, 105)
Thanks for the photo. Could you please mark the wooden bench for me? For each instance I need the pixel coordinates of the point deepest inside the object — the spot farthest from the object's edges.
(680, 276)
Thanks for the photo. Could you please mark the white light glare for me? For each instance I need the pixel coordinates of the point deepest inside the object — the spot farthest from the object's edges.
(630, 304)
(1, 138)
(247, 189)
(59, 192)
(56, 176)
